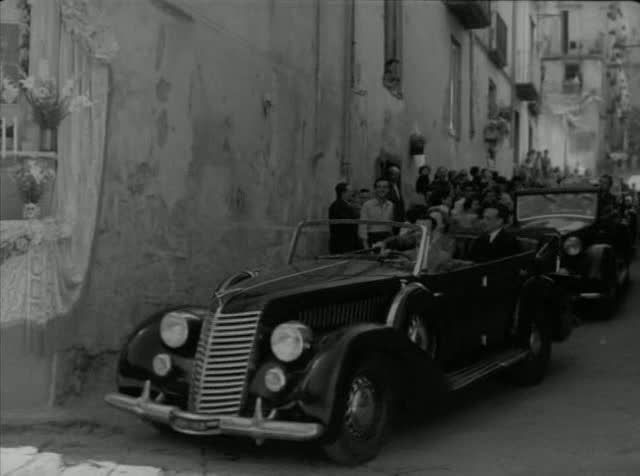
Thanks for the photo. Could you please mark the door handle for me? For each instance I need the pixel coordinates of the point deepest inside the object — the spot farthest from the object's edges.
(485, 281)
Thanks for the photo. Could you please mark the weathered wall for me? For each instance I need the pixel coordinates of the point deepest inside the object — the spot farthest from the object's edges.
(223, 133)
(383, 122)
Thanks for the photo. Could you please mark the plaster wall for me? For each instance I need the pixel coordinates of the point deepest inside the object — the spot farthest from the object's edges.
(382, 122)
(223, 133)
(631, 11)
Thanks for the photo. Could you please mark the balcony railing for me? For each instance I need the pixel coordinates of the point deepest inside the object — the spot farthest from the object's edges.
(527, 74)
(570, 86)
(472, 14)
(552, 46)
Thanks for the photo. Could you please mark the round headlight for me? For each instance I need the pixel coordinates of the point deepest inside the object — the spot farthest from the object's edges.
(572, 245)
(275, 379)
(289, 340)
(174, 329)
(161, 364)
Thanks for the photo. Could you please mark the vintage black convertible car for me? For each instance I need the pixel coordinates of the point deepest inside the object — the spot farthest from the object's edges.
(328, 346)
(597, 242)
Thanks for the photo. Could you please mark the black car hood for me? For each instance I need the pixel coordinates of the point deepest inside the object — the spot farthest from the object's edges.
(302, 277)
(562, 224)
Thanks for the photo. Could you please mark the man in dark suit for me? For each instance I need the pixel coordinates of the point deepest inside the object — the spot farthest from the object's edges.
(495, 242)
(395, 194)
(343, 238)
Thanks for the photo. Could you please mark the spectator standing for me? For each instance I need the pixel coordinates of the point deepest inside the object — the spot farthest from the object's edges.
(546, 163)
(440, 184)
(343, 238)
(476, 179)
(378, 208)
(395, 193)
(423, 181)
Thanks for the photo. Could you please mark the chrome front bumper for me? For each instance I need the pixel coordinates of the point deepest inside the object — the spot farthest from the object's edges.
(258, 427)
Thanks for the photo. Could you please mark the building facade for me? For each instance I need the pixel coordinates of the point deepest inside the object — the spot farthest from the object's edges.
(586, 88)
(217, 126)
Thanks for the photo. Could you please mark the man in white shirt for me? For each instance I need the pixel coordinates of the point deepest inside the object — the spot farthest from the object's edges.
(378, 208)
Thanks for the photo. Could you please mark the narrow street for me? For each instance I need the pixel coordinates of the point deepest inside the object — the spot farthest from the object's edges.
(583, 420)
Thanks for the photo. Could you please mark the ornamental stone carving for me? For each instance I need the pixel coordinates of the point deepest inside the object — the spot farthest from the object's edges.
(83, 19)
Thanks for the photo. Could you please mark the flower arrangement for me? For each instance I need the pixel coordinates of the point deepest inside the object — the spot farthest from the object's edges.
(8, 91)
(31, 179)
(51, 106)
(496, 129)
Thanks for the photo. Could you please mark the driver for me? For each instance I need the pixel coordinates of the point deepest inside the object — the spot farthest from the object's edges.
(441, 245)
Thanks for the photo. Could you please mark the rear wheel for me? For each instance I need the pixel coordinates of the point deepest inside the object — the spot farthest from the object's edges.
(535, 337)
(363, 414)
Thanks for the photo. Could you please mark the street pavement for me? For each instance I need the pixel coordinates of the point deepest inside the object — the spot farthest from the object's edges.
(584, 419)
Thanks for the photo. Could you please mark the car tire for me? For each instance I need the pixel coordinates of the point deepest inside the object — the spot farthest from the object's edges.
(363, 414)
(536, 337)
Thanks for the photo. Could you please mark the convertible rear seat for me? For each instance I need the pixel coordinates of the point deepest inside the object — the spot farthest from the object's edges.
(464, 242)
(528, 244)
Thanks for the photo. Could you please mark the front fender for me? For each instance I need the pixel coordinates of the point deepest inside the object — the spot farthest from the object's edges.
(135, 363)
(414, 296)
(414, 375)
(597, 257)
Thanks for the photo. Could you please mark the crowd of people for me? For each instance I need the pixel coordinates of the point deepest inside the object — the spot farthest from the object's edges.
(477, 199)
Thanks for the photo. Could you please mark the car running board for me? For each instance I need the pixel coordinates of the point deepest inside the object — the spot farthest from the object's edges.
(467, 375)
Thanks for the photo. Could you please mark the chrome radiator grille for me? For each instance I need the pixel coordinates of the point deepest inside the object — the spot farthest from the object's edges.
(335, 315)
(221, 363)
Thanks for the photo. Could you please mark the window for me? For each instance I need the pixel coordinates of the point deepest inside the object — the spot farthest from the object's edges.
(392, 77)
(572, 78)
(12, 41)
(455, 93)
(492, 109)
(565, 31)
(498, 41)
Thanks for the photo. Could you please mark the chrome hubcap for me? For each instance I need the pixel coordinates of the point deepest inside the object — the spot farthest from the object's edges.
(361, 408)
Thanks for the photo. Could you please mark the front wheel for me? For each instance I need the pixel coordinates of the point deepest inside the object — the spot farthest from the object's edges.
(363, 415)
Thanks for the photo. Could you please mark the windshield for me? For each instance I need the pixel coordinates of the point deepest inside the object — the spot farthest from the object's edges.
(582, 204)
(340, 239)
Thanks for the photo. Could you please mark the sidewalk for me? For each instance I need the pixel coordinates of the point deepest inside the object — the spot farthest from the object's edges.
(27, 461)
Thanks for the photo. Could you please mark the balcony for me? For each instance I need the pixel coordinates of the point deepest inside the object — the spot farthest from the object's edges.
(527, 76)
(552, 46)
(472, 14)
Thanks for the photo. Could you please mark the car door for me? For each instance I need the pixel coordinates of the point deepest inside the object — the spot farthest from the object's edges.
(462, 306)
(499, 285)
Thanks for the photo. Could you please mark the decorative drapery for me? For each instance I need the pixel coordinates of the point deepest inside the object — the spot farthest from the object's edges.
(44, 263)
